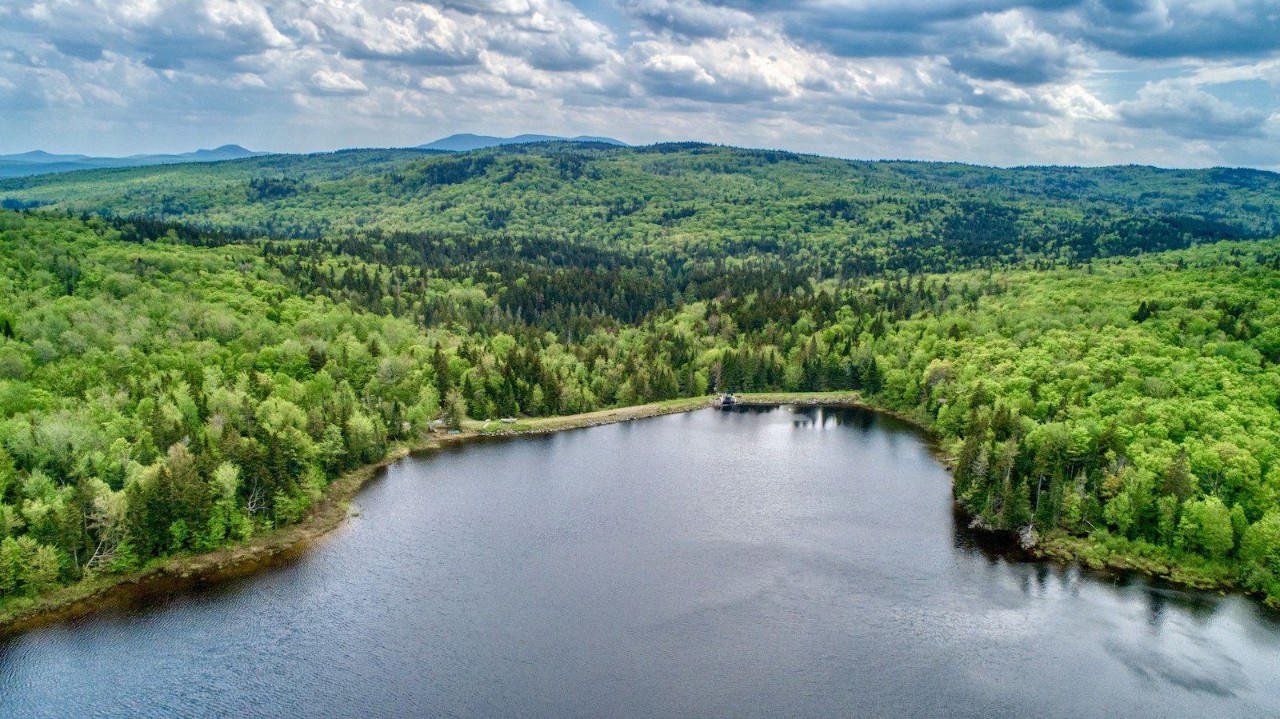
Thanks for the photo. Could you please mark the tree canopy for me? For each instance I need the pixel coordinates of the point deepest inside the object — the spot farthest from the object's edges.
(192, 355)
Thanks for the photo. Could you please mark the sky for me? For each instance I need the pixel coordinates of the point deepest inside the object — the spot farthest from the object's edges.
(1175, 83)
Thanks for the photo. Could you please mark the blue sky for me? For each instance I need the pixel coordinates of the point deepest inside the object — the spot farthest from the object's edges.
(1180, 83)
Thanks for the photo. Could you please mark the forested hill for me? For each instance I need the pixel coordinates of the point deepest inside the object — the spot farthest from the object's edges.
(826, 217)
(163, 390)
(191, 355)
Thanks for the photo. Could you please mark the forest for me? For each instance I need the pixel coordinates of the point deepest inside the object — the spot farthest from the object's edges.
(190, 354)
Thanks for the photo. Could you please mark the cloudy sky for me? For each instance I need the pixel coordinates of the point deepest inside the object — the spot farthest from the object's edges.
(1168, 82)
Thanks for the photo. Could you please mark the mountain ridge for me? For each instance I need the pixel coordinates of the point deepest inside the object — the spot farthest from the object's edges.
(862, 216)
(463, 142)
(40, 162)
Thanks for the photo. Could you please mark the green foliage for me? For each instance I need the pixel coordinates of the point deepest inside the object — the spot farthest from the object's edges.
(171, 387)
(828, 216)
(455, 409)
(1260, 556)
(1206, 527)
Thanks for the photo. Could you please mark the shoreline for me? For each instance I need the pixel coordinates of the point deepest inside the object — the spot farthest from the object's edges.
(104, 591)
(283, 544)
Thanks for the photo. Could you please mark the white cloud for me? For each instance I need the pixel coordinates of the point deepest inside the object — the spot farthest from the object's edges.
(333, 82)
(1009, 46)
(555, 38)
(1183, 109)
(678, 72)
(1073, 102)
(413, 34)
(1003, 81)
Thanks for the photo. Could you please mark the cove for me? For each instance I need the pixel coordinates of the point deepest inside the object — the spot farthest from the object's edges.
(763, 562)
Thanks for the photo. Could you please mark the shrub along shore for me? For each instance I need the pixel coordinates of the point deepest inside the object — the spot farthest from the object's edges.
(267, 550)
(105, 590)
(170, 391)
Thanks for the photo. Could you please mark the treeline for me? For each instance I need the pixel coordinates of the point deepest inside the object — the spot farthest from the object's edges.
(1133, 402)
(165, 392)
(162, 391)
(820, 217)
(165, 401)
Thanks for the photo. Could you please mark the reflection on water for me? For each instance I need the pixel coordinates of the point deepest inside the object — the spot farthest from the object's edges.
(751, 562)
(823, 417)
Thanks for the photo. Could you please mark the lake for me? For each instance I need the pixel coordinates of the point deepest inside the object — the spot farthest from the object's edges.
(752, 563)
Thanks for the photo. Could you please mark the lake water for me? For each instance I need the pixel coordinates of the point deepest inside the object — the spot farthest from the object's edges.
(785, 562)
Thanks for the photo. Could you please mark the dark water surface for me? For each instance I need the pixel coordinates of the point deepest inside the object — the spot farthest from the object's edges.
(713, 564)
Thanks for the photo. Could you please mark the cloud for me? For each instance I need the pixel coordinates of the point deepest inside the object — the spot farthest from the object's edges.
(554, 38)
(412, 34)
(869, 28)
(166, 35)
(1009, 47)
(493, 7)
(1204, 29)
(687, 19)
(333, 82)
(678, 76)
(1004, 81)
(740, 69)
(1184, 110)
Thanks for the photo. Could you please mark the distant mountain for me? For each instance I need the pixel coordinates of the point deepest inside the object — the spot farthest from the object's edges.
(39, 162)
(41, 156)
(464, 142)
(226, 152)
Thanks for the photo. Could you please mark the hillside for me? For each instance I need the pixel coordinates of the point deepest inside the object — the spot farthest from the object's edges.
(834, 218)
(465, 142)
(174, 387)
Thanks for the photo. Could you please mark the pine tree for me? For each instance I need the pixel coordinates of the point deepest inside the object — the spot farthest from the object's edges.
(1177, 479)
(1017, 512)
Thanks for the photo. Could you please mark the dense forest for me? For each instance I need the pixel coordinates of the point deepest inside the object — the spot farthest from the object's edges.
(188, 355)
(821, 217)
